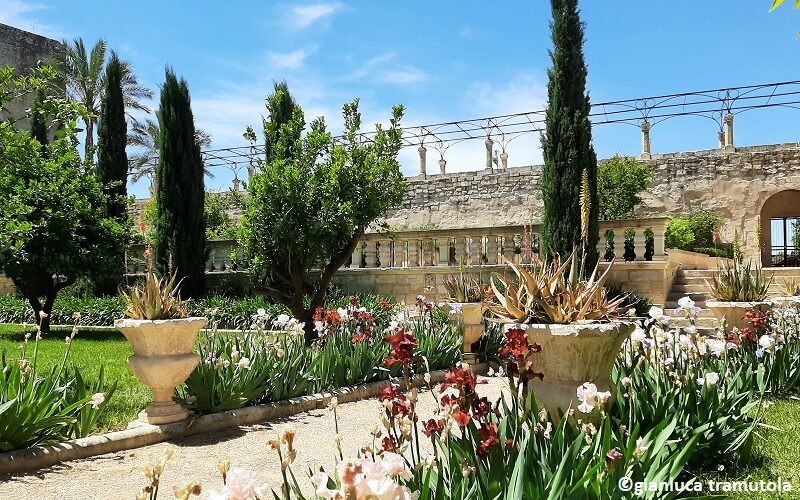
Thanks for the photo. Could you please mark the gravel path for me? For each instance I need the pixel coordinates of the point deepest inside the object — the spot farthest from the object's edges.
(119, 475)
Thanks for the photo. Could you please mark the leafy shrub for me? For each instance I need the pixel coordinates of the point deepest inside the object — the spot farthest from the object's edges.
(724, 251)
(639, 303)
(695, 233)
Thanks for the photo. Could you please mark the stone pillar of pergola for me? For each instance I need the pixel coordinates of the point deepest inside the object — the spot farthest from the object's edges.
(423, 161)
(646, 140)
(489, 144)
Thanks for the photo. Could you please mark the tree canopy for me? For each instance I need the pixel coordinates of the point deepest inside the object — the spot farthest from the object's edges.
(620, 181)
(312, 202)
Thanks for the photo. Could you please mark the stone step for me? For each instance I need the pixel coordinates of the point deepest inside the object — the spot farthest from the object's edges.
(695, 296)
(689, 288)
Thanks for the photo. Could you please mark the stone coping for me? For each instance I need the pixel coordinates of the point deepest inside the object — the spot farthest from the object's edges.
(139, 435)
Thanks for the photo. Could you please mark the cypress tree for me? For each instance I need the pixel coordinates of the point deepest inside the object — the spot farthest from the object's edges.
(112, 161)
(567, 142)
(112, 165)
(180, 242)
(280, 109)
(38, 122)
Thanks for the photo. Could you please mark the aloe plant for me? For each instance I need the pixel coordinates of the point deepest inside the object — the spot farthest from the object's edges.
(156, 298)
(461, 288)
(555, 293)
(739, 283)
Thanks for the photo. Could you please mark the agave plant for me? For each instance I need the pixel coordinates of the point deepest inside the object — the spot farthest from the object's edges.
(790, 287)
(156, 298)
(461, 288)
(555, 293)
(739, 283)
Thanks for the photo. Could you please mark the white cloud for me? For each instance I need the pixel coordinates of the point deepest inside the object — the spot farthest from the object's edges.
(403, 76)
(303, 16)
(383, 68)
(20, 14)
(289, 60)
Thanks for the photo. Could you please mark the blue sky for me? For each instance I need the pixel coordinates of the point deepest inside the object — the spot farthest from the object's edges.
(444, 60)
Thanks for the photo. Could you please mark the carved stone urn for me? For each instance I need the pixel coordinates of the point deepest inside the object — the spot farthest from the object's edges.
(472, 320)
(733, 312)
(571, 355)
(163, 358)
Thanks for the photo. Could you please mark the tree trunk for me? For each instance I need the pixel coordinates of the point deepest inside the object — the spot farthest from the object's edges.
(47, 309)
(89, 144)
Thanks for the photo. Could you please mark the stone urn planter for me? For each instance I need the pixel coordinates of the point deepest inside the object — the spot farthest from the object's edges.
(472, 318)
(573, 354)
(163, 358)
(733, 312)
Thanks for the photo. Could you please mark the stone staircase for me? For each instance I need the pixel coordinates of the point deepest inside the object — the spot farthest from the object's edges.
(695, 284)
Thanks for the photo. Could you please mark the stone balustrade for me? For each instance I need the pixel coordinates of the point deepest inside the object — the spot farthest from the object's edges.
(446, 247)
(490, 245)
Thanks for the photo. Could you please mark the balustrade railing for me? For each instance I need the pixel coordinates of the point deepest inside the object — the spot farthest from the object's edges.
(456, 247)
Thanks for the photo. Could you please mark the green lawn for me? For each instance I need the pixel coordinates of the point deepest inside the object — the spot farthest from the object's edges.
(776, 452)
(90, 350)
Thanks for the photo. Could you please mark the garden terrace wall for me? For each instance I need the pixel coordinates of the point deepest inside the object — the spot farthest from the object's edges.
(736, 182)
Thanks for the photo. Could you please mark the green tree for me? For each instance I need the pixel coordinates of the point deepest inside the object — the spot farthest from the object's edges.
(112, 165)
(38, 121)
(567, 142)
(777, 3)
(280, 110)
(53, 222)
(145, 136)
(310, 205)
(180, 237)
(84, 74)
(620, 180)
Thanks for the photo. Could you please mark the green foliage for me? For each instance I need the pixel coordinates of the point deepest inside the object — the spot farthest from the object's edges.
(259, 367)
(53, 222)
(620, 180)
(679, 234)
(219, 223)
(609, 254)
(695, 231)
(567, 142)
(112, 165)
(630, 249)
(777, 3)
(739, 282)
(639, 303)
(155, 298)
(180, 238)
(310, 204)
(38, 119)
(46, 406)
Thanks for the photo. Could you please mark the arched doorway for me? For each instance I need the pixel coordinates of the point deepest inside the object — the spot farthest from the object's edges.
(780, 230)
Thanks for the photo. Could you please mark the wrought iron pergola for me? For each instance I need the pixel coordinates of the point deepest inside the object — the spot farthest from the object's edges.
(718, 105)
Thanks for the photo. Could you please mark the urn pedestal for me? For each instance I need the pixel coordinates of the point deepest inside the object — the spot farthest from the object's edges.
(472, 321)
(163, 358)
(571, 355)
(733, 312)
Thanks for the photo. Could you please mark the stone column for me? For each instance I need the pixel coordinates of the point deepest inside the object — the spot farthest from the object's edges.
(442, 165)
(461, 251)
(508, 246)
(658, 242)
(729, 131)
(619, 244)
(491, 249)
(370, 254)
(413, 253)
(489, 144)
(356, 263)
(638, 243)
(423, 161)
(721, 139)
(444, 251)
(646, 140)
(428, 258)
(236, 183)
(384, 253)
(504, 161)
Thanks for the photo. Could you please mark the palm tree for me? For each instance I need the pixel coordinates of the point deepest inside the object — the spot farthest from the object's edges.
(83, 73)
(145, 136)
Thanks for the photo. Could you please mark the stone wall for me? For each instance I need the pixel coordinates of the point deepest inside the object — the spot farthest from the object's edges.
(22, 51)
(651, 279)
(735, 183)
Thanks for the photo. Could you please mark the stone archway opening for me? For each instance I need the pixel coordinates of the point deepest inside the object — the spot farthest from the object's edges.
(780, 230)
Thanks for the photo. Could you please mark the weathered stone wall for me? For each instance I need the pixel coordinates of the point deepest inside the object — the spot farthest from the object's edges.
(734, 183)
(651, 279)
(22, 51)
